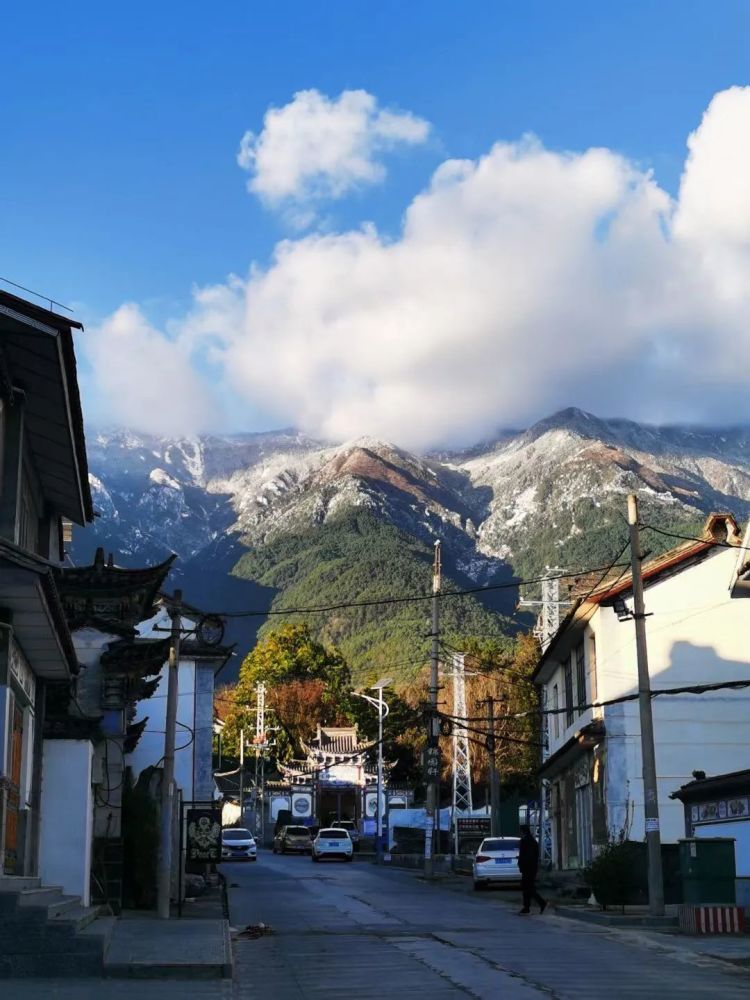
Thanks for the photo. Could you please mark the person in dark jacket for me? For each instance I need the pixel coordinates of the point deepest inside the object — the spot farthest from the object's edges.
(528, 864)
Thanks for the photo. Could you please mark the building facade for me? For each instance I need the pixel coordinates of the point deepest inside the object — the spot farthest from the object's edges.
(118, 670)
(44, 485)
(199, 664)
(695, 635)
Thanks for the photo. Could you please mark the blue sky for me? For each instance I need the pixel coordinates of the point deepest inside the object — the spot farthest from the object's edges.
(121, 127)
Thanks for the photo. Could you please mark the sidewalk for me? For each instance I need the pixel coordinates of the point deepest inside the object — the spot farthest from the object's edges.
(143, 947)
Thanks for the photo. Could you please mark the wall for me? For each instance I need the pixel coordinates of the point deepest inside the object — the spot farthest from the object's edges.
(150, 749)
(66, 816)
(203, 776)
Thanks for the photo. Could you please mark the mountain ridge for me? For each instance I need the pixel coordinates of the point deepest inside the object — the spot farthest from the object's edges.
(550, 495)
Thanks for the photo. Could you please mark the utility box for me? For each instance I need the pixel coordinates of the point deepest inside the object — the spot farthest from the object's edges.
(708, 871)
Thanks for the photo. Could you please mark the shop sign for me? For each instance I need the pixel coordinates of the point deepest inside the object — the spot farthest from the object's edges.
(431, 764)
(21, 671)
(473, 824)
(204, 835)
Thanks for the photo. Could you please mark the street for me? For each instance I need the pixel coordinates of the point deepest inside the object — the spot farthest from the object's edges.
(341, 931)
(352, 930)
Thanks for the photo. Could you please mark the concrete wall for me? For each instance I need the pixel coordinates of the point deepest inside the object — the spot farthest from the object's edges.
(203, 776)
(66, 816)
(696, 634)
(150, 749)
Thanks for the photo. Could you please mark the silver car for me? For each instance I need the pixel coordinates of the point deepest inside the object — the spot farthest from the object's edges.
(332, 843)
(497, 861)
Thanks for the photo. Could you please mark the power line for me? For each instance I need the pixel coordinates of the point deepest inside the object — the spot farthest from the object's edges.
(711, 542)
(410, 599)
(686, 689)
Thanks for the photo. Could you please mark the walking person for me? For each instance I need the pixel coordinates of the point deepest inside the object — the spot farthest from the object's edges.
(528, 864)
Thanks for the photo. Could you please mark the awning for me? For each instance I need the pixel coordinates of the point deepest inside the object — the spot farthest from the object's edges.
(27, 590)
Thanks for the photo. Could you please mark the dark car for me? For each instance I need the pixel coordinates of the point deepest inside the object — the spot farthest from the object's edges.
(351, 828)
(292, 839)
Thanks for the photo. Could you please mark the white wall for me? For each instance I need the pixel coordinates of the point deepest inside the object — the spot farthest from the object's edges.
(66, 816)
(696, 634)
(150, 748)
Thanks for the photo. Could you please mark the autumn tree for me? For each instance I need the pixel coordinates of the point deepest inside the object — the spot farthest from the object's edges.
(306, 683)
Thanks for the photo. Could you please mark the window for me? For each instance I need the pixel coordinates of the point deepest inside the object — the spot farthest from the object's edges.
(555, 706)
(580, 677)
(569, 715)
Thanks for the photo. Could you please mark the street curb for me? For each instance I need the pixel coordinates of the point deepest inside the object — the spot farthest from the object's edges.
(604, 919)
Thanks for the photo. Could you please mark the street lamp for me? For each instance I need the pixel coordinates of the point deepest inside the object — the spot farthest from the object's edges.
(383, 711)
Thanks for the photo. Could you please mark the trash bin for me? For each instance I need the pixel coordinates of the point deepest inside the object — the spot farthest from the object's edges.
(708, 870)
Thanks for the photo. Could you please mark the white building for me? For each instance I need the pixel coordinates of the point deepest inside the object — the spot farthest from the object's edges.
(198, 666)
(697, 634)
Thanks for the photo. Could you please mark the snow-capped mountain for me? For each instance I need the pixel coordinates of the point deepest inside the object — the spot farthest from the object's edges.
(550, 495)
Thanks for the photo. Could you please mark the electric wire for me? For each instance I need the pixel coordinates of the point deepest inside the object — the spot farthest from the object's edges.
(409, 599)
(695, 689)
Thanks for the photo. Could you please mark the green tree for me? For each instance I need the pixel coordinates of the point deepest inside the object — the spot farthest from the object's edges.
(306, 682)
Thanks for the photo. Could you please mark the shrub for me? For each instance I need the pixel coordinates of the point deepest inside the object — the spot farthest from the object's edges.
(613, 874)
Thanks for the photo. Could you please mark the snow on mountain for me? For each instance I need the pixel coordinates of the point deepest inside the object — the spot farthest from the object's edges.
(490, 504)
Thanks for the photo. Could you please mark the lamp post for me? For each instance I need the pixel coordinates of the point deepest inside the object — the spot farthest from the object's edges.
(383, 710)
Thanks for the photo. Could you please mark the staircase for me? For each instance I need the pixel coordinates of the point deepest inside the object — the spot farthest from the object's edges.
(46, 933)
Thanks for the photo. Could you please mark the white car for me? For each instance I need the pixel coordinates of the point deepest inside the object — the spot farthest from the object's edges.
(238, 844)
(332, 843)
(497, 861)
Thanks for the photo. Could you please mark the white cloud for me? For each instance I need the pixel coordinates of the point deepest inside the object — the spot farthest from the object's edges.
(142, 379)
(318, 148)
(523, 281)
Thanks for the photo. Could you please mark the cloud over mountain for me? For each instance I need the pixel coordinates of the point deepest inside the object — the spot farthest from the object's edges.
(316, 148)
(521, 281)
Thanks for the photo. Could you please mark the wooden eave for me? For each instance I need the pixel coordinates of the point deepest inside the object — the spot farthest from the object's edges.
(39, 353)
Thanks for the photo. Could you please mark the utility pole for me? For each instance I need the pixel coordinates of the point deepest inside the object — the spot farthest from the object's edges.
(648, 753)
(260, 740)
(164, 875)
(494, 789)
(379, 806)
(242, 777)
(433, 800)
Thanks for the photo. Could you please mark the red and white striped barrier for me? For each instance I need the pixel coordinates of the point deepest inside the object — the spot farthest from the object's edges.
(711, 919)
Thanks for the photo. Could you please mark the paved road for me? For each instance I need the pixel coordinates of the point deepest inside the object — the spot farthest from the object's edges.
(354, 931)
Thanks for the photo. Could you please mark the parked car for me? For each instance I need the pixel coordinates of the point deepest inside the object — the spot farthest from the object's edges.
(292, 839)
(497, 861)
(332, 842)
(351, 828)
(238, 844)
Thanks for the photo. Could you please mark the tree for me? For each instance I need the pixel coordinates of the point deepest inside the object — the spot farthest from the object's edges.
(306, 683)
(492, 669)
